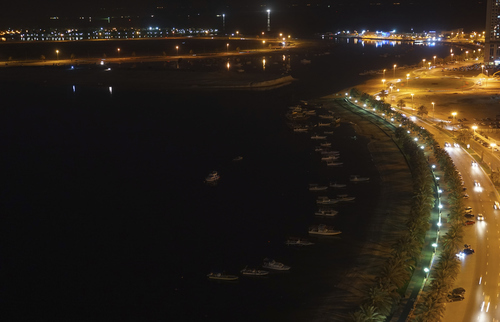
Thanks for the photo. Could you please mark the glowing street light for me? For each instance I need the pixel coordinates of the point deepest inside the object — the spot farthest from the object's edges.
(384, 73)
(412, 106)
(423, 62)
(383, 82)
(177, 48)
(482, 69)
(433, 110)
(118, 52)
(268, 20)
(407, 80)
(434, 60)
(474, 127)
(429, 65)
(227, 48)
(454, 118)
(467, 55)
(493, 145)
(57, 54)
(394, 71)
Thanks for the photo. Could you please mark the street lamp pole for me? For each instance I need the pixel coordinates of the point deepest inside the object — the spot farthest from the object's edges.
(57, 54)
(474, 128)
(433, 110)
(227, 48)
(119, 56)
(434, 60)
(384, 73)
(412, 105)
(268, 20)
(394, 71)
(408, 81)
(454, 120)
(423, 63)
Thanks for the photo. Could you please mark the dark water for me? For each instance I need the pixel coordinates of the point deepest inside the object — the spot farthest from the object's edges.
(106, 216)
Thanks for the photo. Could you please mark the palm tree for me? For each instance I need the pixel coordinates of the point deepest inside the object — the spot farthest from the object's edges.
(379, 298)
(464, 135)
(422, 110)
(367, 313)
(401, 104)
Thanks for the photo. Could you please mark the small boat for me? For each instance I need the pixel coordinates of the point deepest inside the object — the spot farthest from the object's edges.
(316, 187)
(334, 164)
(328, 132)
(300, 129)
(324, 124)
(254, 272)
(222, 277)
(318, 149)
(356, 178)
(318, 137)
(272, 264)
(325, 201)
(212, 177)
(305, 61)
(238, 158)
(310, 112)
(331, 152)
(326, 144)
(323, 231)
(330, 158)
(345, 198)
(326, 213)
(298, 242)
(337, 185)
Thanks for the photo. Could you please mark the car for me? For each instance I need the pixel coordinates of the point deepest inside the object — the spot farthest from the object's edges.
(465, 196)
(496, 205)
(480, 217)
(464, 189)
(456, 145)
(462, 183)
(469, 215)
(474, 164)
(476, 183)
(468, 251)
(458, 291)
(455, 297)
(447, 144)
(469, 222)
(468, 208)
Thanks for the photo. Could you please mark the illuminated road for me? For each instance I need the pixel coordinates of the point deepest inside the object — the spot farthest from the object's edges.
(480, 273)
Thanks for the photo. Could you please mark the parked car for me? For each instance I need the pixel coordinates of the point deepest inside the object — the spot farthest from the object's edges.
(468, 209)
(469, 222)
(466, 196)
(468, 251)
(469, 215)
(458, 291)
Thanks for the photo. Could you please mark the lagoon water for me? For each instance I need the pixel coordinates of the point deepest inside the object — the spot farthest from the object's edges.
(106, 215)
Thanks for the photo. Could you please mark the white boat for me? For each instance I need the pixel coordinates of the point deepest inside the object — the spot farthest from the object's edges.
(326, 144)
(323, 231)
(212, 177)
(300, 129)
(326, 213)
(298, 242)
(222, 277)
(330, 158)
(328, 132)
(310, 112)
(337, 185)
(272, 264)
(325, 201)
(324, 124)
(334, 164)
(330, 152)
(327, 117)
(318, 149)
(238, 158)
(254, 272)
(356, 178)
(318, 137)
(316, 187)
(345, 198)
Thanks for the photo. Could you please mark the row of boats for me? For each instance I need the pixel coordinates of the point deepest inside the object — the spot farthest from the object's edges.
(268, 264)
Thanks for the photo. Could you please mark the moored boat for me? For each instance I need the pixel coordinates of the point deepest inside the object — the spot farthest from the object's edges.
(254, 272)
(345, 198)
(324, 124)
(334, 164)
(325, 201)
(356, 178)
(326, 144)
(318, 137)
(329, 158)
(323, 230)
(316, 187)
(326, 213)
(222, 277)
(272, 264)
(212, 177)
(337, 185)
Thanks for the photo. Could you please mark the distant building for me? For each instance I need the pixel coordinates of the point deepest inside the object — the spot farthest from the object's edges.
(492, 36)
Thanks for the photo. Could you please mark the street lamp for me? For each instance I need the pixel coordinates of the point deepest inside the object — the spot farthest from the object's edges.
(408, 80)
(434, 60)
(474, 128)
(452, 57)
(454, 118)
(482, 69)
(383, 83)
(118, 52)
(493, 145)
(384, 73)
(177, 48)
(268, 20)
(467, 55)
(433, 114)
(423, 62)
(429, 65)
(394, 71)
(57, 54)
(227, 48)
(412, 106)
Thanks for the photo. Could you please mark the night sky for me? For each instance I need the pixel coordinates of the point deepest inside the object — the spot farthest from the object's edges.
(298, 16)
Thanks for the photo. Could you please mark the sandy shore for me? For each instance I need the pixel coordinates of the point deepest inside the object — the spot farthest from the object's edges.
(388, 217)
